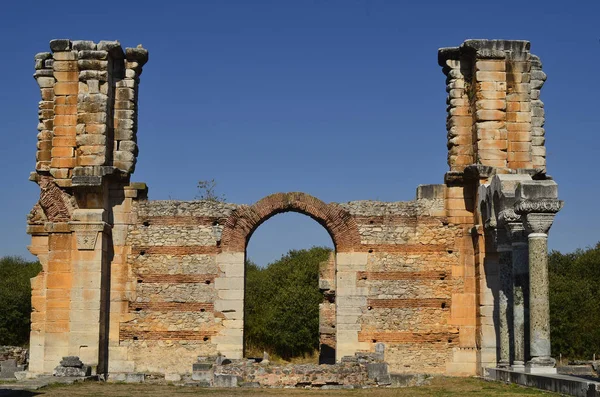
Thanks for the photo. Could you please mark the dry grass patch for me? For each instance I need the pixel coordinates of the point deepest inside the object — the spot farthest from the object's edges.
(440, 387)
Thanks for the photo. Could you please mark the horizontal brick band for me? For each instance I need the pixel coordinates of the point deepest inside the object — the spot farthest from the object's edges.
(126, 333)
(176, 278)
(400, 303)
(177, 250)
(407, 337)
(399, 220)
(182, 220)
(171, 306)
(427, 275)
(407, 248)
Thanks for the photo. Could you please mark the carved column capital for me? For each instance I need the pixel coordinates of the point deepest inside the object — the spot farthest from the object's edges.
(538, 214)
(86, 224)
(513, 224)
(542, 205)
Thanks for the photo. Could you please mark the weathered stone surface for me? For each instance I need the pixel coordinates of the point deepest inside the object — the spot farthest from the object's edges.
(415, 283)
(83, 45)
(60, 45)
(226, 380)
(71, 361)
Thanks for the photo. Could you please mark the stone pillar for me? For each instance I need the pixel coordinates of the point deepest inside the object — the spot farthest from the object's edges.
(538, 206)
(504, 301)
(520, 285)
(89, 289)
(351, 303)
(86, 148)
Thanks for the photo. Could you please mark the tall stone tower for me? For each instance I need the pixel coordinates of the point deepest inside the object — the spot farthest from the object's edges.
(86, 152)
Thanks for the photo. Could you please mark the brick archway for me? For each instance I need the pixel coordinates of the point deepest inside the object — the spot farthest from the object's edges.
(245, 220)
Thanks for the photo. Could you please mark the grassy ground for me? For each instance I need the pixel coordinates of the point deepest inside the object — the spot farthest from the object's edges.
(440, 387)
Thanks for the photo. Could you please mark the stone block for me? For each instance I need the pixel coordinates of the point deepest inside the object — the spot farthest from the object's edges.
(46, 82)
(135, 378)
(172, 377)
(202, 366)
(490, 115)
(222, 380)
(229, 283)
(494, 76)
(92, 64)
(66, 88)
(60, 45)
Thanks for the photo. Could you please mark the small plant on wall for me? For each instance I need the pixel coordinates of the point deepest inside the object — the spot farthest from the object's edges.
(207, 191)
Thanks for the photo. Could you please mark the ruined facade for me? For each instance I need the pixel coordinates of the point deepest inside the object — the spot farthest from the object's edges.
(451, 282)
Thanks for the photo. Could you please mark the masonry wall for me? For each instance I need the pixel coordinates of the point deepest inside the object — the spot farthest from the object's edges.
(402, 294)
(131, 285)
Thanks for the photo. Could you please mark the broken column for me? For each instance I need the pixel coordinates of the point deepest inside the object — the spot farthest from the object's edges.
(538, 204)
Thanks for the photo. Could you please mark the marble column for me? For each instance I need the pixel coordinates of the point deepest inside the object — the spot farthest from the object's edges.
(504, 301)
(520, 285)
(538, 215)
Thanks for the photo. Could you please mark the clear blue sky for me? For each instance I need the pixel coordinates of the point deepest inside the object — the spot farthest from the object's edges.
(340, 99)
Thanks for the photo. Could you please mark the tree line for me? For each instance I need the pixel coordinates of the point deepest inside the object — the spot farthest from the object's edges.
(282, 303)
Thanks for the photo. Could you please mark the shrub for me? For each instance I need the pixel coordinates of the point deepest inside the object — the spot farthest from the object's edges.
(15, 299)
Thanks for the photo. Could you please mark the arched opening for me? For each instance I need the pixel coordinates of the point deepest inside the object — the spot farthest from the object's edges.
(237, 230)
(289, 300)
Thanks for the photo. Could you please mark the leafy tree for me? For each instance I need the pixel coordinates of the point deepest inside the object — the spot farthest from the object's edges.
(15, 299)
(575, 302)
(282, 304)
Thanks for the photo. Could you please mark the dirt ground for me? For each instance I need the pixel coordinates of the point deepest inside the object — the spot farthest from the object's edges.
(440, 387)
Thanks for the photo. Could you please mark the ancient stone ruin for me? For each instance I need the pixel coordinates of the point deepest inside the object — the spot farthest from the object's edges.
(449, 283)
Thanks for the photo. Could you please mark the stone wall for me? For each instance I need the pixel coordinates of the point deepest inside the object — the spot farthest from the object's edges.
(401, 294)
(132, 285)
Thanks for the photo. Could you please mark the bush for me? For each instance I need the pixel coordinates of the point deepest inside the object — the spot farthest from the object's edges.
(575, 303)
(282, 304)
(15, 299)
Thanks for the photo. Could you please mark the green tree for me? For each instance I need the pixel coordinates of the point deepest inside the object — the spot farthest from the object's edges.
(282, 304)
(15, 299)
(575, 302)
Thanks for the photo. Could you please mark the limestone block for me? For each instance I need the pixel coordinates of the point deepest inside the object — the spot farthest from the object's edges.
(229, 283)
(172, 377)
(351, 301)
(231, 294)
(233, 324)
(231, 270)
(345, 279)
(233, 258)
(222, 380)
(120, 366)
(352, 291)
(229, 306)
(235, 340)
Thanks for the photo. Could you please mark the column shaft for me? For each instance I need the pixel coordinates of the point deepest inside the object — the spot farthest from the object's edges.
(539, 306)
(520, 271)
(504, 309)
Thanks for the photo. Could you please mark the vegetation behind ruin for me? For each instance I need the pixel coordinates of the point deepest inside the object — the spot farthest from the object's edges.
(15, 299)
(282, 304)
(575, 303)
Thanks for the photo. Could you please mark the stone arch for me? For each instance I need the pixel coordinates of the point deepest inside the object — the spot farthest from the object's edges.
(245, 220)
